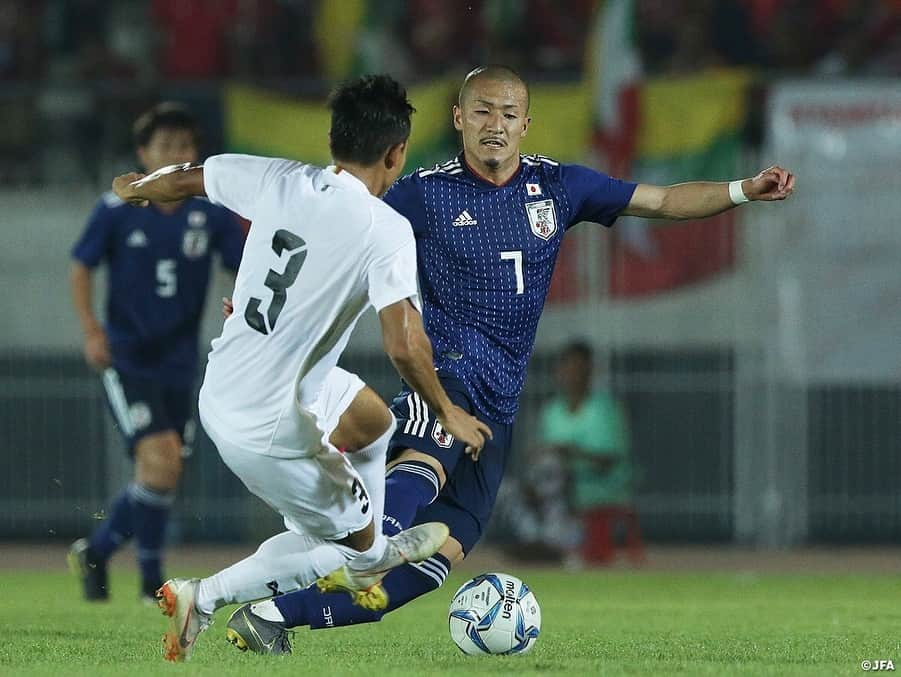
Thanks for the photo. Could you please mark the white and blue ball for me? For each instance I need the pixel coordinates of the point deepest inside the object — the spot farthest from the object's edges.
(494, 614)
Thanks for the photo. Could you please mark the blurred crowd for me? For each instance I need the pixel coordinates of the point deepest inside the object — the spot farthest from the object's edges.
(800, 37)
(210, 39)
(73, 71)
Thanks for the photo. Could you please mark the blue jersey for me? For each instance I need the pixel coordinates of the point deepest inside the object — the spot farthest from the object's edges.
(158, 273)
(486, 254)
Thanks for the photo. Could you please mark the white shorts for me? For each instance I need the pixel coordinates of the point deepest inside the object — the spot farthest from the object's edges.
(310, 483)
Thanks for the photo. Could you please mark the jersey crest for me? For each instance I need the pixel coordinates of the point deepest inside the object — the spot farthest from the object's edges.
(195, 243)
(542, 218)
(441, 437)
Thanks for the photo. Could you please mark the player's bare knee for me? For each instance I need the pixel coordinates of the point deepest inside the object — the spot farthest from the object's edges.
(360, 540)
(431, 461)
(363, 422)
(158, 461)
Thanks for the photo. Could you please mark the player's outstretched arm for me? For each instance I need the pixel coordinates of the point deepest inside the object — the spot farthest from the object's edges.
(700, 199)
(410, 350)
(169, 184)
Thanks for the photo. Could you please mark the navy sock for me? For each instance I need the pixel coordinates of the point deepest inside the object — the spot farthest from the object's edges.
(408, 486)
(335, 609)
(115, 530)
(151, 514)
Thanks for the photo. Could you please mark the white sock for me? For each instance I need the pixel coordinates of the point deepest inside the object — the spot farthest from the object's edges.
(268, 611)
(369, 558)
(287, 561)
(369, 462)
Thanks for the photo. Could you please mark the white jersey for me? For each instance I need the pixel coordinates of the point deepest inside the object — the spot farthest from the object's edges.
(321, 250)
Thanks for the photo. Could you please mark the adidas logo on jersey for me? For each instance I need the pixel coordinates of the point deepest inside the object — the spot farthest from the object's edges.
(465, 219)
(136, 239)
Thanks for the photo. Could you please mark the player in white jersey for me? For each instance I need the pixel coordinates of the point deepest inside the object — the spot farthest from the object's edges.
(322, 248)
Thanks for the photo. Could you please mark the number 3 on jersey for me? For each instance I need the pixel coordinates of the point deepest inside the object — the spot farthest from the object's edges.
(295, 245)
(516, 257)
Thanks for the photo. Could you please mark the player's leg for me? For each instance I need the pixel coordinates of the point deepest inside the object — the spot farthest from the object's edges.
(321, 493)
(361, 416)
(330, 610)
(289, 560)
(363, 431)
(300, 489)
(413, 480)
(140, 413)
(402, 585)
(465, 505)
(159, 458)
(158, 465)
(423, 456)
(361, 424)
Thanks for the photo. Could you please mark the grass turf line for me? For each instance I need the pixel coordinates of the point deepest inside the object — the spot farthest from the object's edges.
(608, 623)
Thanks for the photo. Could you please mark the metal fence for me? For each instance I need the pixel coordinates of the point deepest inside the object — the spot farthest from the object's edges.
(62, 459)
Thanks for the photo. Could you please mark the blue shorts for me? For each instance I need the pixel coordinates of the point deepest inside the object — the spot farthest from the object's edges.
(468, 496)
(142, 407)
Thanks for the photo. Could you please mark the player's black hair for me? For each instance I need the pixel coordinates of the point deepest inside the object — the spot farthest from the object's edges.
(577, 348)
(492, 72)
(166, 115)
(369, 115)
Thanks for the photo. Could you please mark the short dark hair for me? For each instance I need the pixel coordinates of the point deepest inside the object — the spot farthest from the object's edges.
(577, 348)
(369, 115)
(493, 72)
(166, 115)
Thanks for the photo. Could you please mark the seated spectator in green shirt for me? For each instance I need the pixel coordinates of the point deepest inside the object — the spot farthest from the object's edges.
(588, 430)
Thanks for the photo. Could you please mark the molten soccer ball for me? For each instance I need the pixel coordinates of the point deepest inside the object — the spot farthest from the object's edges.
(494, 614)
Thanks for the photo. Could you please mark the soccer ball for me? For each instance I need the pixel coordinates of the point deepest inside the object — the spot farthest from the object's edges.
(494, 614)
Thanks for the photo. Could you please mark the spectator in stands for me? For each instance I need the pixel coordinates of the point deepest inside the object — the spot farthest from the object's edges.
(194, 35)
(21, 60)
(869, 42)
(685, 36)
(285, 45)
(442, 35)
(21, 53)
(554, 40)
(795, 34)
(587, 430)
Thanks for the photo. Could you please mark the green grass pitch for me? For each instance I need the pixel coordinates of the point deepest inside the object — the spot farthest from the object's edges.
(597, 623)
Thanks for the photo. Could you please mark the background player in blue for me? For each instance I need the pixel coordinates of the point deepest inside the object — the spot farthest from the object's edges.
(159, 264)
(488, 226)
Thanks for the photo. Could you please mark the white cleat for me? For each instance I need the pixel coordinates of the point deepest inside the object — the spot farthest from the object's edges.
(176, 600)
(411, 545)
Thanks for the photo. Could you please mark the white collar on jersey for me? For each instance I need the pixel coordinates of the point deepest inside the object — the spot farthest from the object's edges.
(347, 178)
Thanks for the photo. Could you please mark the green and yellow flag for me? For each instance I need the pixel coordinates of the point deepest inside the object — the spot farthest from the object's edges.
(665, 130)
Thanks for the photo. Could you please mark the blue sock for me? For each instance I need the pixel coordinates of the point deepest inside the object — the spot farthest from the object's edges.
(151, 513)
(115, 530)
(335, 609)
(408, 486)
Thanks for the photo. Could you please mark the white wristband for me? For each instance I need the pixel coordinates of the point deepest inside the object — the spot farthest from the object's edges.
(736, 194)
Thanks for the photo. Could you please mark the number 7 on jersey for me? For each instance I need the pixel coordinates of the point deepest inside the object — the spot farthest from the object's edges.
(516, 257)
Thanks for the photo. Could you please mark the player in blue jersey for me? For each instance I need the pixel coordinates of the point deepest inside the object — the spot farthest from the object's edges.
(158, 262)
(488, 226)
